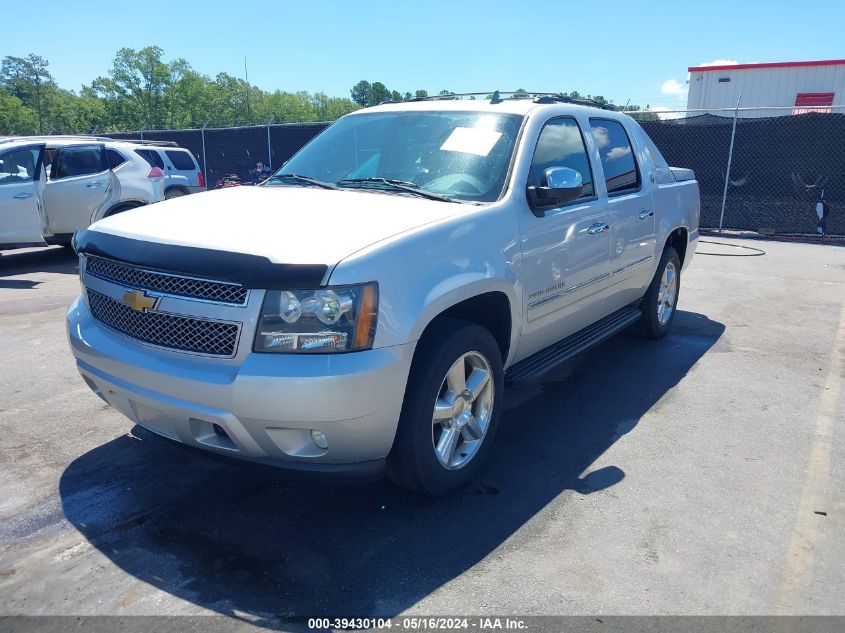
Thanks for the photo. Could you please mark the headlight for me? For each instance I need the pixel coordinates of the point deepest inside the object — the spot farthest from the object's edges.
(336, 319)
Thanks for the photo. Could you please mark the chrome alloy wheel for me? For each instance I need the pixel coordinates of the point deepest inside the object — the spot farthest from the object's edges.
(462, 411)
(667, 293)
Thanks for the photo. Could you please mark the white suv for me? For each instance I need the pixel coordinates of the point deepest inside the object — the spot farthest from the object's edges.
(74, 181)
(182, 173)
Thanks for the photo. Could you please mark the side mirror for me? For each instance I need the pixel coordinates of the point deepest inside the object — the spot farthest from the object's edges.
(560, 185)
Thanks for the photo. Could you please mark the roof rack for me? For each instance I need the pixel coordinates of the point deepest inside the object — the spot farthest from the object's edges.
(562, 98)
(143, 141)
(74, 137)
(496, 96)
(454, 95)
(89, 137)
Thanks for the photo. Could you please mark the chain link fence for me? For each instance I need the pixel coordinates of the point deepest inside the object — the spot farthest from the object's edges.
(239, 151)
(759, 169)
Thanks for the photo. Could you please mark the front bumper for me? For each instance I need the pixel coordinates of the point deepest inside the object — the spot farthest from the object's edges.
(263, 405)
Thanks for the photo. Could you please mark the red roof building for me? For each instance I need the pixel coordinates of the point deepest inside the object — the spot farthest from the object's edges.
(793, 87)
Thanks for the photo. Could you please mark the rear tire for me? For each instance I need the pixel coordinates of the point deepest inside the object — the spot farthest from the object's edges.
(661, 299)
(451, 409)
(173, 193)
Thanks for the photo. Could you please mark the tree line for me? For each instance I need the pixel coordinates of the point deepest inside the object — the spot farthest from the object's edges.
(142, 90)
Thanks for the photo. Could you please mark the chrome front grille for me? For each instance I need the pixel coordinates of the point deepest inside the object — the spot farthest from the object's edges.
(190, 334)
(166, 283)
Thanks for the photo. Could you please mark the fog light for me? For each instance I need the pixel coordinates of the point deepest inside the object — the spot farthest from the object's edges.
(319, 439)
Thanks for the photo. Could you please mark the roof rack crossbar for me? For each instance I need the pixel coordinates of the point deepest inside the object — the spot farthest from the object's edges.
(562, 98)
(136, 141)
(539, 96)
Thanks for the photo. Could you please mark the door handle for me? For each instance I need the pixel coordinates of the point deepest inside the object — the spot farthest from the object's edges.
(595, 229)
(94, 184)
(22, 196)
(646, 214)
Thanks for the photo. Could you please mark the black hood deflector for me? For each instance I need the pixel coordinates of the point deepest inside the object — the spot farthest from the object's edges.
(251, 271)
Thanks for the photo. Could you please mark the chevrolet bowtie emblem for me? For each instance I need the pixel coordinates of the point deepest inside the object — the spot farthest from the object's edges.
(138, 300)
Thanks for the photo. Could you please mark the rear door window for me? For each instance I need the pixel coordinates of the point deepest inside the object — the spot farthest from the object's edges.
(115, 158)
(78, 161)
(651, 149)
(181, 160)
(151, 156)
(617, 156)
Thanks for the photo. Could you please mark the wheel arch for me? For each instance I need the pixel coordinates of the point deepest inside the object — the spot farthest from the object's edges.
(123, 205)
(489, 305)
(678, 239)
(183, 188)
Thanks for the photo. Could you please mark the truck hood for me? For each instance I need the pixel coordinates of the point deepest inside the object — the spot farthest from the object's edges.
(290, 225)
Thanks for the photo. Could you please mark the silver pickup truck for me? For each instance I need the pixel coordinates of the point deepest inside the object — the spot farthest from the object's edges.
(362, 311)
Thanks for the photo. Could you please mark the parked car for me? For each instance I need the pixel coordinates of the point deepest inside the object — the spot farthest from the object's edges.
(362, 310)
(84, 179)
(182, 173)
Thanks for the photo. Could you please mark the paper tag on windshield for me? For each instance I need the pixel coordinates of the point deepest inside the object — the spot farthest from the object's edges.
(470, 140)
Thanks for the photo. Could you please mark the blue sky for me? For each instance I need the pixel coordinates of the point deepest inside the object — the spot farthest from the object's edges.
(622, 50)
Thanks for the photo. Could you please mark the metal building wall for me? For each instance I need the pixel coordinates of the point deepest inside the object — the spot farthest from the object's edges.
(763, 87)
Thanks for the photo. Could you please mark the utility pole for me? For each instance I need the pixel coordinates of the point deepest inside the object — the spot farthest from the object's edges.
(38, 101)
(204, 163)
(730, 159)
(246, 76)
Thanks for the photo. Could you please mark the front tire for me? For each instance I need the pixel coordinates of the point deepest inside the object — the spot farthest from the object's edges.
(451, 410)
(661, 299)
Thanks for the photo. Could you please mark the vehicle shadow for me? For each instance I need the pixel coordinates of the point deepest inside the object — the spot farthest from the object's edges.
(242, 539)
(53, 259)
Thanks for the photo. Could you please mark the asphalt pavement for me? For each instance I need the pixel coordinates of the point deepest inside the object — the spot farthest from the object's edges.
(699, 474)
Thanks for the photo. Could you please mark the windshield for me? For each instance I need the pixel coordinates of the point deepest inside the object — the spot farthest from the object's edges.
(462, 156)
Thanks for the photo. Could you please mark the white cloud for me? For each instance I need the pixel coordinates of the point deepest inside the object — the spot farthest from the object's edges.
(674, 88)
(720, 62)
(600, 136)
(558, 142)
(618, 152)
(677, 90)
(663, 113)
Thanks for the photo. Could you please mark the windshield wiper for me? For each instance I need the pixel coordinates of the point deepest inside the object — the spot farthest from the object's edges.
(383, 181)
(306, 179)
(398, 185)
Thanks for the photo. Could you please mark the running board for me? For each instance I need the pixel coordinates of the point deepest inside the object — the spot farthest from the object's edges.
(534, 367)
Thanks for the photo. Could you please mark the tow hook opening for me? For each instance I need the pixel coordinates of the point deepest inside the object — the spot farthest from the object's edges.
(212, 434)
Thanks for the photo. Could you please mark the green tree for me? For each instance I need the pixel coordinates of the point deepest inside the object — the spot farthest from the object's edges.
(380, 93)
(330, 108)
(28, 79)
(15, 117)
(142, 88)
(135, 89)
(362, 93)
